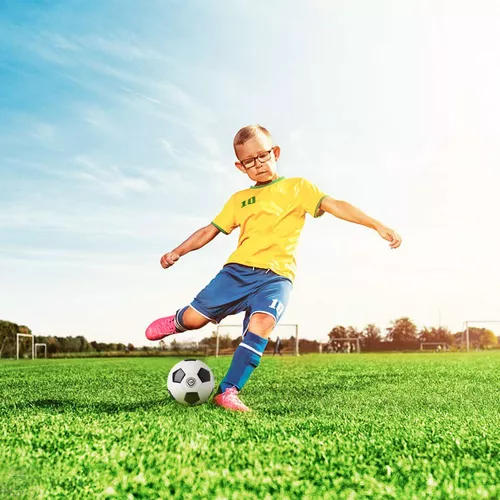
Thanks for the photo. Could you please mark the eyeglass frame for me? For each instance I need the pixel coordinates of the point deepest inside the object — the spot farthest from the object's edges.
(255, 158)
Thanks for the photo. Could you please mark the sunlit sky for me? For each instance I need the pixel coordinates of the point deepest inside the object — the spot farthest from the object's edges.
(116, 128)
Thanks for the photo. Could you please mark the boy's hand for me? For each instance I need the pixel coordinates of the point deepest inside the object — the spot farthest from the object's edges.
(169, 259)
(389, 235)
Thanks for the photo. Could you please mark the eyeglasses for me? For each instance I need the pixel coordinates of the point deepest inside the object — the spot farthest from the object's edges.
(262, 157)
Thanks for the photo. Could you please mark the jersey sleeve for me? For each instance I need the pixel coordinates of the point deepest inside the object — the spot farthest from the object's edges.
(311, 197)
(225, 221)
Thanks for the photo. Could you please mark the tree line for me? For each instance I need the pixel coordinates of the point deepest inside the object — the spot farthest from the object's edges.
(55, 345)
(402, 334)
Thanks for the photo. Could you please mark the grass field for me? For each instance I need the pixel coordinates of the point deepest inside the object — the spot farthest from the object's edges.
(331, 426)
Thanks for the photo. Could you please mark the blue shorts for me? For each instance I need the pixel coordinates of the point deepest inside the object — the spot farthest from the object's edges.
(238, 288)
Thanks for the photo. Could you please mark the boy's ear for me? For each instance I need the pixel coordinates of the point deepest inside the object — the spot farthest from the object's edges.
(277, 152)
(240, 167)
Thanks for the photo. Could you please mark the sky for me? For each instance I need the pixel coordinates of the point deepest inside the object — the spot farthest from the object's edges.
(116, 128)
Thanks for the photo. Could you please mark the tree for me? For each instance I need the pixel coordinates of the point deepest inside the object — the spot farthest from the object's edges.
(352, 332)
(52, 345)
(225, 341)
(5, 340)
(82, 344)
(371, 336)
(402, 330)
(8, 331)
(487, 338)
(337, 332)
(174, 346)
(371, 333)
(441, 334)
(236, 342)
(478, 337)
(306, 345)
(210, 341)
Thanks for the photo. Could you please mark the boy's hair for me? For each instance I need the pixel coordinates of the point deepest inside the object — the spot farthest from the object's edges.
(247, 133)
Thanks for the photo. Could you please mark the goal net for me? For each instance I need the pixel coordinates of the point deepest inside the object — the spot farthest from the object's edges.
(283, 340)
(39, 345)
(434, 346)
(342, 345)
(25, 346)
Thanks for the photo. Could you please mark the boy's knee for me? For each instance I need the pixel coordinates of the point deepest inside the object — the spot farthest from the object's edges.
(192, 320)
(262, 324)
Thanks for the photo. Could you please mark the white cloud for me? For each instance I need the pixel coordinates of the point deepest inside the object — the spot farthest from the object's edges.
(101, 221)
(209, 144)
(111, 179)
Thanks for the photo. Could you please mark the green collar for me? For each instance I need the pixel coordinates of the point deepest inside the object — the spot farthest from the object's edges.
(268, 184)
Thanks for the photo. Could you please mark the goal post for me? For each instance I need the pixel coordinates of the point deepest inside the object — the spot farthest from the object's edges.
(221, 327)
(32, 344)
(466, 329)
(40, 344)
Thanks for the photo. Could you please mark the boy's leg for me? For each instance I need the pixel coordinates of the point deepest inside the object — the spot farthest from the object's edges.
(189, 318)
(247, 355)
(245, 360)
(265, 308)
(184, 319)
(220, 298)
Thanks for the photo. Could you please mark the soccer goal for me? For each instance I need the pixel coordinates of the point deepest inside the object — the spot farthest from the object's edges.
(436, 346)
(34, 345)
(40, 344)
(466, 330)
(18, 341)
(346, 345)
(228, 337)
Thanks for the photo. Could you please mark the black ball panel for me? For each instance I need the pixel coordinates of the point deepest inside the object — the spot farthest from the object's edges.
(191, 398)
(204, 375)
(178, 375)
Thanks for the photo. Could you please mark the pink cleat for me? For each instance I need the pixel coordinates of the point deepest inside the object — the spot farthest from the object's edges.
(161, 328)
(229, 399)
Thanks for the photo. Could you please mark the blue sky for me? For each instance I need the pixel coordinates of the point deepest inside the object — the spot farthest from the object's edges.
(116, 125)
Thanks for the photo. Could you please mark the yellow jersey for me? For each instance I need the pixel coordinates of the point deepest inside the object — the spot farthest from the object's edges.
(270, 218)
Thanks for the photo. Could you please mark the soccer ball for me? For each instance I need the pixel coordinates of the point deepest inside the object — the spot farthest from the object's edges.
(190, 382)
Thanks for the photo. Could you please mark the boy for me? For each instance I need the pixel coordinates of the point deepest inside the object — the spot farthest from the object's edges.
(257, 278)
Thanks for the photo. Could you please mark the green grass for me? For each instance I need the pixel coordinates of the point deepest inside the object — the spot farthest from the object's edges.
(331, 426)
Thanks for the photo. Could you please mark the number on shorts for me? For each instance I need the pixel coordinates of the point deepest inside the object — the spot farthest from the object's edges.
(276, 304)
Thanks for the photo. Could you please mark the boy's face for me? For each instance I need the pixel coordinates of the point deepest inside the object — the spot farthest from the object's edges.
(257, 158)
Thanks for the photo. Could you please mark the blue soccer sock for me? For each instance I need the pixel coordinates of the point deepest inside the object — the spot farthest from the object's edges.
(179, 325)
(245, 360)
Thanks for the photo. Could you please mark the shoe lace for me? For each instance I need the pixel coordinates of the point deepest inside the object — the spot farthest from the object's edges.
(232, 395)
(232, 391)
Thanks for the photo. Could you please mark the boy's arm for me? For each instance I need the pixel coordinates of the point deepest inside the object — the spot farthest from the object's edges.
(197, 240)
(350, 213)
